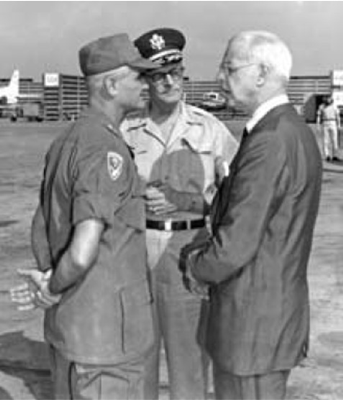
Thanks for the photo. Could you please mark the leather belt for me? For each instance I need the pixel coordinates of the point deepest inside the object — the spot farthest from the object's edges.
(169, 225)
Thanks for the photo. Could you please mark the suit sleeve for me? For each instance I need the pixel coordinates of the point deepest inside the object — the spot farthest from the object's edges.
(257, 187)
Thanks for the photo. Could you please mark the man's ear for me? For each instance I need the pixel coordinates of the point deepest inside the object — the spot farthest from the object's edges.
(110, 86)
(263, 72)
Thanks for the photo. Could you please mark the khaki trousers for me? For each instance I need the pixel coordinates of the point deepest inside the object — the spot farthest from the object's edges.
(330, 139)
(271, 386)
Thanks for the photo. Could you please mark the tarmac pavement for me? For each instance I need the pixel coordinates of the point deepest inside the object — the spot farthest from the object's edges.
(24, 370)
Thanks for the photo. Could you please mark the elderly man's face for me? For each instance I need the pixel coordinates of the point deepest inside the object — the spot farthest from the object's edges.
(238, 79)
(166, 84)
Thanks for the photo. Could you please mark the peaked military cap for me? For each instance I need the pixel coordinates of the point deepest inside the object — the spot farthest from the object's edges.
(162, 46)
(107, 53)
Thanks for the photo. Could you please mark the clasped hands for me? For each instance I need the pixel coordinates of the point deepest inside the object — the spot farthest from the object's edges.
(187, 257)
(34, 292)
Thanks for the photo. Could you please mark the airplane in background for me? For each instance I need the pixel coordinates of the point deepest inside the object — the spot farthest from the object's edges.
(9, 94)
(14, 105)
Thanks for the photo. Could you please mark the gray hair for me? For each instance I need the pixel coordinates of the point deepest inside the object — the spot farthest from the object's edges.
(95, 82)
(265, 48)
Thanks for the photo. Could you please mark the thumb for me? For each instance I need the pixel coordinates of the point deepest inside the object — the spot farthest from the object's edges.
(25, 272)
(32, 276)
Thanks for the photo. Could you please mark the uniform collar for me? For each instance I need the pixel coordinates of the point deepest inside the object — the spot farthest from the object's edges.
(190, 115)
(187, 115)
(92, 112)
(263, 110)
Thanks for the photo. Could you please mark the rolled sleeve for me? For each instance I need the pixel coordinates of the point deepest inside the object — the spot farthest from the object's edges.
(97, 206)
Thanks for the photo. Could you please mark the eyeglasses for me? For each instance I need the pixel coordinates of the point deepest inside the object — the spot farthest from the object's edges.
(159, 77)
(231, 70)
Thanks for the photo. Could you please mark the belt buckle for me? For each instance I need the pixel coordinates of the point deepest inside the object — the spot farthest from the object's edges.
(189, 224)
(168, 225)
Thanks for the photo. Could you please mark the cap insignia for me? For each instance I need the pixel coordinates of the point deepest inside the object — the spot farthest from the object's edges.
(157, 42)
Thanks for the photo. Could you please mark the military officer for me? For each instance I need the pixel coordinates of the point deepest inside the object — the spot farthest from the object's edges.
(182, 153)
(88, 235)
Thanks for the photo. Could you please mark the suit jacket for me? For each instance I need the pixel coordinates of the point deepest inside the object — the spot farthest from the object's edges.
(256, 261)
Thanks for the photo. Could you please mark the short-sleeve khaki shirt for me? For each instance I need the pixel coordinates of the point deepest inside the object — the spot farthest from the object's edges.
(187, 161)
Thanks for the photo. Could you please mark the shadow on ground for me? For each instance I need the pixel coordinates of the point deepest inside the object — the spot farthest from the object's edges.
(27, 360)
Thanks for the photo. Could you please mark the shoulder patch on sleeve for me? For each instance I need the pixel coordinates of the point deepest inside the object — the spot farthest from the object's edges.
(114, 164)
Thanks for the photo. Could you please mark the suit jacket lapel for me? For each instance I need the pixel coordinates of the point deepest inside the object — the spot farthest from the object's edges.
(219, 204)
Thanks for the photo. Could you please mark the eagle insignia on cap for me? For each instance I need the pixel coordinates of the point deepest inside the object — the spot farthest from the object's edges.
(157, 42)
(114, 164)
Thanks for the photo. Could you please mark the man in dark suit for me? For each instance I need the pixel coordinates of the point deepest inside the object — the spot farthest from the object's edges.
(255, 262)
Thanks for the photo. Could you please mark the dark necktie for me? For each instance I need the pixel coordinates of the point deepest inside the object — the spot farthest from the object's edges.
(245, 134)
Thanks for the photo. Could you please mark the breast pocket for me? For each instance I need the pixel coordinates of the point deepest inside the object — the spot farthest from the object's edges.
(144, 157)
(200, 163)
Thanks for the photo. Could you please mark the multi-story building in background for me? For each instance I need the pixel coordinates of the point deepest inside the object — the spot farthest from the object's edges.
(64, 96)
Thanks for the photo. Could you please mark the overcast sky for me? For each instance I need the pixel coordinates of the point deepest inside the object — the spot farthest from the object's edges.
(45, 36)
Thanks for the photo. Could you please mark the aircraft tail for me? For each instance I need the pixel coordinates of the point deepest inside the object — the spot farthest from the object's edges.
(14, 84)
(9, 94)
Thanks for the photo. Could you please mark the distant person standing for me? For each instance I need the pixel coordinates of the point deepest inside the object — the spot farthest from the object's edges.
(328, 117)
(88, 238)
(183, 153)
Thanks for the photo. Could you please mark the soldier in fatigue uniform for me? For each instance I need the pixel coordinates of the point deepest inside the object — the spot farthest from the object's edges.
(182, 152)
(88, 237)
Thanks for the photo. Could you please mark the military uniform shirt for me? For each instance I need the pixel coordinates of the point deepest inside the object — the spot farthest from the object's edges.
(187, 161)
(89, 174)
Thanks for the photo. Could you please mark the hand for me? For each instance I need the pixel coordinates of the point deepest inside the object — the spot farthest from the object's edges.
(24, 295)
(192, 285)
(159, 199)
(199, 242)
(197, 288)
(35, 291)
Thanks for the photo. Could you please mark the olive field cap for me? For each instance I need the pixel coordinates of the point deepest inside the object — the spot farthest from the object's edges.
(107, 53)
(163, 46)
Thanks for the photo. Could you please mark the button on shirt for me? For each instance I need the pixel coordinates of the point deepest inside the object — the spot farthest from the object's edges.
(187, 160)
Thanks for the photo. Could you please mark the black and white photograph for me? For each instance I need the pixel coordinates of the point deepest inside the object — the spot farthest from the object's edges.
(171, 202)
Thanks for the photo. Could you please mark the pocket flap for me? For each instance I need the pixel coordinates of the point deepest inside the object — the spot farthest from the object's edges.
(196, 145)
